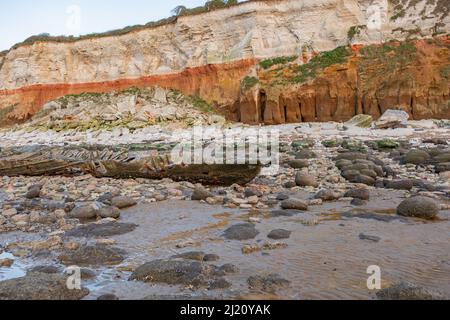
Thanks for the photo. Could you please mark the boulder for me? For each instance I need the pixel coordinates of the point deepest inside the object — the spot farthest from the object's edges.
(294, 204)
(306, 180)
(40, 286)
(200, 193)
(243, 231)
(360, 120)
(359, 193)
(328, 195)
(392, 119)
(122, 202)
(419, 207)
(279, 234)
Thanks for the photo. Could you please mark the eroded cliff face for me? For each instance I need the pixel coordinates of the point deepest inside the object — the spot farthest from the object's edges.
(210, 54)
(413, 76)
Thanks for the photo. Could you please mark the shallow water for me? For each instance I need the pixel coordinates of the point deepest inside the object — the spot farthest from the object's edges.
(323, 260)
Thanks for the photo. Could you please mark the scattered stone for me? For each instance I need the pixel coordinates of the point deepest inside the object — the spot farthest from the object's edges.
(109, 212)
(177, 272)
(305, 154)
(361, 120)
(282, 196)
(416, 156)
(306, 180)
(123, 202)
(358, 202)
(419, 207)
(108, 297)
(243, 231)
(328, 195)
(83, 213)
(192, 255)
(267, 284)
(200, 193)
(34, 191)
(369, 238)
(39, 286)
(404, 184)
(97, 255)
(407, 291)
(362, 194)
(299, 163)
(294, 204)
(392, 119)
(279, 234)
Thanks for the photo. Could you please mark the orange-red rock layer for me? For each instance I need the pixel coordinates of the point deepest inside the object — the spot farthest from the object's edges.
(218, 83)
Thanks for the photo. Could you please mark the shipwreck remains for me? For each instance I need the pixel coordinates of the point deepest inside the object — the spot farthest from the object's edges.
(112, 163)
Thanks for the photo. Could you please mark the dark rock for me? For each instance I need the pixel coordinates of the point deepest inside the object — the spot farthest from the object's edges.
(211, 258)
(200, 194)
(83, 213)
(87, 274)
(106, 198)
(279, 234)
(407, 291)
(219, 283)
(405, 184)
(46, 269)
(306, 180)
(109, 212)
(251, 192)
(419, 207)
(268, 284)
(328, 195)
(284, 213)
(193, 255)
(373, 216)
(299, 164)
(123, 202)
(243, 231)
(369, 238)
(416, 156)
(177, 272)
(229, 269)
(389, 172)
(108, 297)
(290, 185)
(379, 184)
(360, 193)
(358, 202)
(305, 154)
(39, 286)
(294, 204)
(98, 255)
(351, 156)
(282, 196)
(442, 167)
(364, 180)
(101, 230)
(34, 191)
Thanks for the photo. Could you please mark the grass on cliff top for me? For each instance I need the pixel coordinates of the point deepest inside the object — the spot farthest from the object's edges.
(179, 11)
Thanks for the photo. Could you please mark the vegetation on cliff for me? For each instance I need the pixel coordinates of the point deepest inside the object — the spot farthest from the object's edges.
(179, 11)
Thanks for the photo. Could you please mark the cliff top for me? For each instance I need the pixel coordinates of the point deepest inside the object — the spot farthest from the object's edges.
(180, 11)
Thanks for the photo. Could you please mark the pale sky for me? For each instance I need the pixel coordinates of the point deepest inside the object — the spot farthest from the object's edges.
(20, 19)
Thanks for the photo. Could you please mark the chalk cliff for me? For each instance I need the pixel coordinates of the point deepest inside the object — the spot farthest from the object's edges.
(210, 54)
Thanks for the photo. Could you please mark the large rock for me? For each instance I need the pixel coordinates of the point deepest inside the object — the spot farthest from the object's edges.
(362, 194)
(243, 231)
(98, 255)
(109, 212)
(123, 202)
(419, 207)
(179, 272)
(392, 119)
(306, 180)
(40, 286)
(361, 120)
(279, 234)
(299, 163)
(294, 204)
(200, 193)
(416, 156)
(328, 195)
(407, 291)
(267, 284)
(83, 213)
